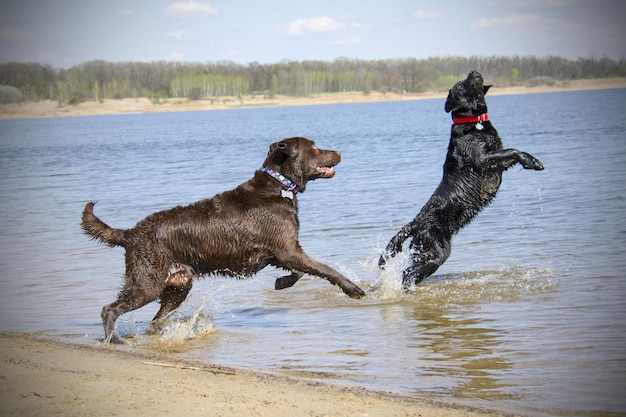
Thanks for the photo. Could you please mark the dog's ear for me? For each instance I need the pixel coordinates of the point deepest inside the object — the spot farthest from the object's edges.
(486, 88)
(452, 103)
(284, 147)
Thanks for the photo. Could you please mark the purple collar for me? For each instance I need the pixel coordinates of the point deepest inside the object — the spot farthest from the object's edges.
(291, 186)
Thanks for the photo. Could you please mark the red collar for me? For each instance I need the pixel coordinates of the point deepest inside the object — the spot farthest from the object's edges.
(471, 119)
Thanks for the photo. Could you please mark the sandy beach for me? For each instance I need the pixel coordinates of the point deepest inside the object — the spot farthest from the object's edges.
(43, 377)
(145, 105)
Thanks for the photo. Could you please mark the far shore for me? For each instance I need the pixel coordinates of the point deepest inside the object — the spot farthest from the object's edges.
(48, 108)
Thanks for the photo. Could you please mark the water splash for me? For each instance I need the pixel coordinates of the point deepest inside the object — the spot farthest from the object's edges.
(178, 330)
(390, 284)
(506, 282)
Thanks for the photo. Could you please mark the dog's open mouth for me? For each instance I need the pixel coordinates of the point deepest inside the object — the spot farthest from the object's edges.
(325, 172)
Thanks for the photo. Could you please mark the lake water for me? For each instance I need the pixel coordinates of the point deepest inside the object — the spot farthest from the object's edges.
(528, 313)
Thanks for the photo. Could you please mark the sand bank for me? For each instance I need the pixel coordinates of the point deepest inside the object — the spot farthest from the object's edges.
(145, 105)
(43, 377)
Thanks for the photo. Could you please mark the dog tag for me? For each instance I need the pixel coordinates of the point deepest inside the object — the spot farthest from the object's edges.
(479, 126)
(286, 194)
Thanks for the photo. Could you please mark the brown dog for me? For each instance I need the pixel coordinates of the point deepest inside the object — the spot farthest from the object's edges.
(235, 233)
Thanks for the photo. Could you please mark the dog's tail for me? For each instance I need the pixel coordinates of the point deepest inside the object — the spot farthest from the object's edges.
(99, 230)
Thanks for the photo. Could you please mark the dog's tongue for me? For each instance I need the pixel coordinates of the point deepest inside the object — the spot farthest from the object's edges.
(325, 171)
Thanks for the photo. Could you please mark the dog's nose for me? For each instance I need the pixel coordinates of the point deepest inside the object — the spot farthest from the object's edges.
(475, 74)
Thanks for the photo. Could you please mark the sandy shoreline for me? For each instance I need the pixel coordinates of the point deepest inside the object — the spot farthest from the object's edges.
(145, 105)
(40, 376)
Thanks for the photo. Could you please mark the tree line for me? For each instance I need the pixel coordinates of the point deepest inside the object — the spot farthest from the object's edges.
(99, 80)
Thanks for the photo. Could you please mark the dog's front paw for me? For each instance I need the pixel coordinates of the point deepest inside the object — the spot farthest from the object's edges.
(537, 165)
(353, 290)
(390, 251)
(287, 281)
(530, 162)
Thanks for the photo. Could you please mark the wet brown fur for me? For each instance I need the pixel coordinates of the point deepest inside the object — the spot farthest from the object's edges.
(236, 233)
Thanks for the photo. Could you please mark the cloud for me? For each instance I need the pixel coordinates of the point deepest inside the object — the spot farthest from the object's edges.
(177, 34)
(190, 8)
(427, 15)
(301, 27)
(512, 20)
(124, 12)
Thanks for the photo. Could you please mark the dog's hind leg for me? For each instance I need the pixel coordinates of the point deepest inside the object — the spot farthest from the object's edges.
(128, 300)
(415, 274)
(139, 289)
(426, 260)
(177, 286)
(179, 275)
(171, 298)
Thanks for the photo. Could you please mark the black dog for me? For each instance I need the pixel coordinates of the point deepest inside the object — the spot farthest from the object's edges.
(235, 233)
(472, 174)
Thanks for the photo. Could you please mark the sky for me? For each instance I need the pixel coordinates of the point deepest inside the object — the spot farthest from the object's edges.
(63, 33)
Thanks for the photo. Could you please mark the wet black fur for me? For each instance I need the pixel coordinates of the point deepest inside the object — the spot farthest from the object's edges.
(472, 174)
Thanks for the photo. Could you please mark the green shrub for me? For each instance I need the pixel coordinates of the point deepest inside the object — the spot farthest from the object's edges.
(9, 94)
